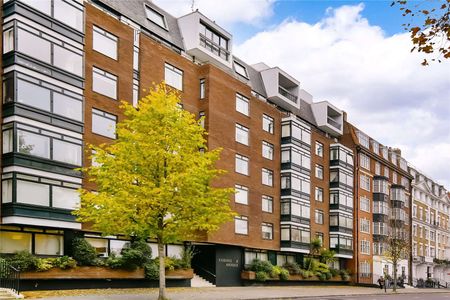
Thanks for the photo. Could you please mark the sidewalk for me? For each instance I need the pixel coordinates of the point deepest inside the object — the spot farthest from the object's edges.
(223, 293)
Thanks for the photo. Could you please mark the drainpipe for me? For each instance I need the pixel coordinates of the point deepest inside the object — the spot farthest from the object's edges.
(356, 208)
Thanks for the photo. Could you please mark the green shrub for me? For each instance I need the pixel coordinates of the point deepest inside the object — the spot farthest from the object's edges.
(334, 272)
(141, 246)
(173, 263)
(261, 266)
(23, 260)
(135, 254)
(187, 255)
(307, 274)
(152, 270)
(83, 252)
(114, 261)
(310, 264)
(65, 262)
(275, 272)
(322, 276)
(284, 274)
(44, 264)
(261, 276)
(328, 275)
(292, 267)
(345, 275)
(322, 268)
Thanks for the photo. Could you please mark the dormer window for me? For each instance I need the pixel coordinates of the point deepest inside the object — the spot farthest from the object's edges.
(214, 42)
(156, 17)
(240, 69)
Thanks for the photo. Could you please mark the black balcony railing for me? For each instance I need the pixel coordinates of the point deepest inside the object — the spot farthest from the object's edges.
(214, 47)
(286, 94)
(9, 277)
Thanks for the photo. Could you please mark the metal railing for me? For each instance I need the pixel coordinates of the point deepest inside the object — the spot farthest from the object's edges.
(286, 94)
(9, 277)
(206, 274)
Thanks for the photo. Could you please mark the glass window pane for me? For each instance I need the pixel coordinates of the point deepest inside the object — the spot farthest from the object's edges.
(106, 45)
(33, 144)
(41, 5)
(48, 244)
(174, 77)
(33, 95)
(67, 60)
(68, 14)
(67, 107)
(155, 17)
(32, 193)
(8, 40)
(65, 198)
(7, 191)
(104, 85)
(7, 141)
(67, 152)
(34, 46)
(11, 242)
(103, 126)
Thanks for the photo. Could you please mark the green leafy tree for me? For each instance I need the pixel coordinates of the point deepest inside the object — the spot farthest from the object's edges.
(429, 26)
(153, 181)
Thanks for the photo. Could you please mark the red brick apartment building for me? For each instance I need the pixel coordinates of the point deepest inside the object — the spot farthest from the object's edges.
(300, 171)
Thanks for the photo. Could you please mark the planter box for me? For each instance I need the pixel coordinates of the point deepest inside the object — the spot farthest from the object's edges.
(180, 274)
(101, 273)
(248, 275)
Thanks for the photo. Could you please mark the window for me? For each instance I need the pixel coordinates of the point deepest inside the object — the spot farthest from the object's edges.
(364, 182)
(173, 77)
(364, 269)
(268, 124)
(267, 177)
(319, 149)
(267, 150)
(295, 208)
(318, 216)
(341, 198)
(104, 42)
(241, 225)
(341, 242)
(136, 58)
(386, 172)
(365, 247)
(363, 139)
(364, 225)
(375, 147)
(319, 171)
(341, 177)
(43, 95)
(202, 88)
(296, 157)
(267, 204)
(241, 134)
(242, 104)
(364, 204)
(201, 116)
(380, 186)
(241, 164)
(49, 49)
(67, 13)
(319, 194)
(42, 143)
(135, 92)
(295, 182)
(104, 123)
(241, 195)
(214, 42)
(339, 153)
(240, 69)
(104, 83)
(267, 231)
(11, 242)
(295, 234)
(296, 131)
(394, 178)
(377, 168)
(341, 220)
(155, 17)
(41, 191)
(8, 40)
(319, 236)
(46, 244)
(364, 161)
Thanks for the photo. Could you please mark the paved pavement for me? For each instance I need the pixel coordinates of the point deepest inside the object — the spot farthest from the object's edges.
(248, 293)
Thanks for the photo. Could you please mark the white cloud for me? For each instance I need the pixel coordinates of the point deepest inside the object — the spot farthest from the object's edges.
(225, 13)
(375, 78)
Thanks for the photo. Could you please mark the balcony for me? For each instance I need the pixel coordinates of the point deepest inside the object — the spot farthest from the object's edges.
(205, 40)
(328, 117)
(281, 88)
(343, 251)
(398, 214)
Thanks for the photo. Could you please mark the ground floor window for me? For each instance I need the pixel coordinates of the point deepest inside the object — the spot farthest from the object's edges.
(34, 240)
(252, 255)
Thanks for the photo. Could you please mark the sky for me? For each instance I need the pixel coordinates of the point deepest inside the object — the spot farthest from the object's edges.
(356, 55)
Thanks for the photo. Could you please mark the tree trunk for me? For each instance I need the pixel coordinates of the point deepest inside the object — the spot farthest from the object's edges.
(162, 272)
(395, 276)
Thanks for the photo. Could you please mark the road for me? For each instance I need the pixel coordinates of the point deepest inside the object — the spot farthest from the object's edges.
(432, 296)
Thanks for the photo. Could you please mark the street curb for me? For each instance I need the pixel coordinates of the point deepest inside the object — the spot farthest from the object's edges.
(441, 291)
